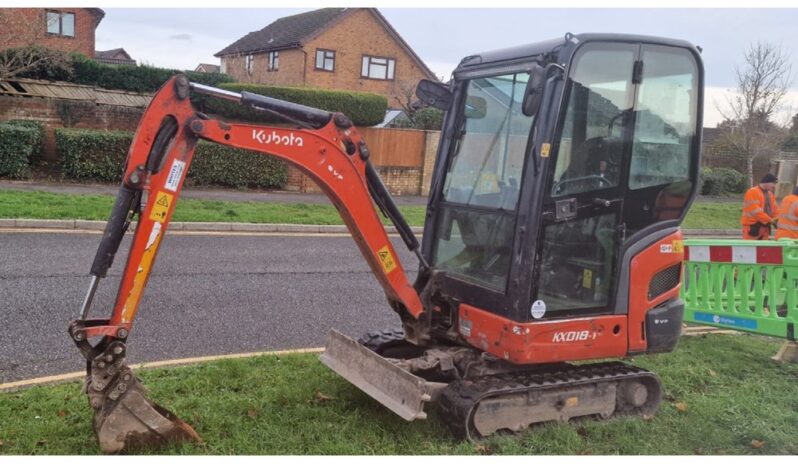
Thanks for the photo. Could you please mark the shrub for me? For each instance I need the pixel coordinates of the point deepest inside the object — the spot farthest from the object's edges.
(140, 78)
(18, 143)
(100, 156)
(722, 181)
(219, 165)
(37, 126)
(364, 109)
(427, 118)
(92, 155)
(53, 65)
(36, 62)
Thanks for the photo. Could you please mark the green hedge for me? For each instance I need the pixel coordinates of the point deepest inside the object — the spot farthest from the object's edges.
(100, 155)
(77, 68)
(722, 181)
(134, 78)
(364, 109)
(20, 141)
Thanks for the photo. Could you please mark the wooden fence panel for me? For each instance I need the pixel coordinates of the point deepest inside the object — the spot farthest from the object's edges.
(392, 147)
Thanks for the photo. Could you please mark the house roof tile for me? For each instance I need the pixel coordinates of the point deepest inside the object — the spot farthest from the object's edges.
(284, 33)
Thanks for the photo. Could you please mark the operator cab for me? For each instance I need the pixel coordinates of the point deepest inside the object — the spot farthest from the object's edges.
(557, 162)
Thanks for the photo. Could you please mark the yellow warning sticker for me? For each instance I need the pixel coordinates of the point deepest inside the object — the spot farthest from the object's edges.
(545, 149)
(386, 258)
(162, 203)
(678, 246)
(587, 278)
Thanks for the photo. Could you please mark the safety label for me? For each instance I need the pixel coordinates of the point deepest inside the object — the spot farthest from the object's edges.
(386, 258)
(162, 203)
(538, 309)
(587, 278)
(175, 175)
(678, 246)
(545, 149)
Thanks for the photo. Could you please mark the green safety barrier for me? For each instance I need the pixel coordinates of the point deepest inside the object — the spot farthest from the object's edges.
(742, 285)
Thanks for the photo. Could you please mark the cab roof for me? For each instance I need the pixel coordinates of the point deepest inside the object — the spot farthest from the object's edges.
(547, 47)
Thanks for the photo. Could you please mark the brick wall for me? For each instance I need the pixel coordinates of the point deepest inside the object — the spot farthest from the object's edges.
(61, 113)
(409, 179)
(289, 71)
(401, 181)
(22, 27)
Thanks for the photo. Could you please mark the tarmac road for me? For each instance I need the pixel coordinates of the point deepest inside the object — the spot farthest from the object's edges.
(209, 294)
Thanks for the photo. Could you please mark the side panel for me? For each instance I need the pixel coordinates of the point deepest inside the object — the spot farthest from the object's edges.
(644, 293)
(545, 341)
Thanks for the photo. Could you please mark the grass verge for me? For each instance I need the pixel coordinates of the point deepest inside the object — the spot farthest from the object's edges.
(40, 205)
(723, 395)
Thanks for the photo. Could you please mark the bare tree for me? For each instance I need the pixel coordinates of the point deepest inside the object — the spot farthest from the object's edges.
(405, 95)
(25, 32)
(762, 83)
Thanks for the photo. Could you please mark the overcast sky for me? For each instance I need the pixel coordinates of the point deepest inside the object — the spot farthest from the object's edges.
(183, 38)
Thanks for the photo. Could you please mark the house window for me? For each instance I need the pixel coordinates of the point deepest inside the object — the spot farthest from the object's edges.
(274, 61)
(61, 24)
(325, 60)
(248, 63)
(377, 67)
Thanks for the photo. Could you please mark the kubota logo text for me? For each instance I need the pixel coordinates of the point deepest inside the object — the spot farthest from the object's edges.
(573, 336)
(274, 138)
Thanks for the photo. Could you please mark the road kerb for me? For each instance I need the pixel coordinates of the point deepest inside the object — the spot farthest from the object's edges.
(70, 376)
(94, 225)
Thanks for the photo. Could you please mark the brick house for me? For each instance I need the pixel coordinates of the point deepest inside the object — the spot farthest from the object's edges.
(59, 28)
(206, 68)
(332, 48)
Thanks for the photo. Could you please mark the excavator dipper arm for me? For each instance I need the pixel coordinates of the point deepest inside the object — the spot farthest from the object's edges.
(327, 148)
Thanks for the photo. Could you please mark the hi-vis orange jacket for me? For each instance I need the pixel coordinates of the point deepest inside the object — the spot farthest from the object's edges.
(788, 218)
(754, 207)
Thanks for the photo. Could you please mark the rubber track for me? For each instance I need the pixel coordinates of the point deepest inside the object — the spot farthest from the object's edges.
(457, 402)
(379, 340)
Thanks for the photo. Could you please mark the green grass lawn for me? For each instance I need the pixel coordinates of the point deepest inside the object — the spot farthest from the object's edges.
(26, 204)
(722, 392)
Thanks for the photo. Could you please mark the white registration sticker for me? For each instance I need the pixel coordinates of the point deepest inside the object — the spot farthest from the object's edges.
(175, 175)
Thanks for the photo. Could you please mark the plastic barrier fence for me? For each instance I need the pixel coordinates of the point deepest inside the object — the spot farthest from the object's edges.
(742, 285)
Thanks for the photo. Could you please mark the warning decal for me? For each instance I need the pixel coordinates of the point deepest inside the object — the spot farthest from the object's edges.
(587, 278)
(162, 203)
(386, 258)
(545, 149)
(678, 246)
(175, 174)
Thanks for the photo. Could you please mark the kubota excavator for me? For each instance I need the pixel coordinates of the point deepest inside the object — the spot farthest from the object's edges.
(552, 236)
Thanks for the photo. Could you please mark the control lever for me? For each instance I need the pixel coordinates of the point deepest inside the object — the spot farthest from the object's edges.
(599, 202)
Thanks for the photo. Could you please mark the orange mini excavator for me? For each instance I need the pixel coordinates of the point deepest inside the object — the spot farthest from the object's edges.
(552, 236)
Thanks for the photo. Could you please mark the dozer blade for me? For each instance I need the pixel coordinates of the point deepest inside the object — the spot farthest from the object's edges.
(398, 390)
(124, 419)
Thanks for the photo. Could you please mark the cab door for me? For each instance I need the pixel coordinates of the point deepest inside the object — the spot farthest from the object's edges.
(582, 223)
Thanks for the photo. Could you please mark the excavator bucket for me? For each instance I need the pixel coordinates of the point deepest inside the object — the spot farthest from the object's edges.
(124, 419)
(398, 390)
